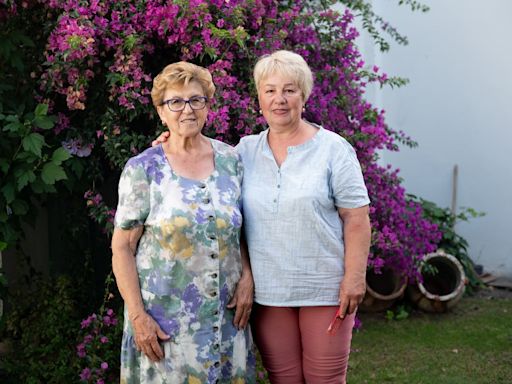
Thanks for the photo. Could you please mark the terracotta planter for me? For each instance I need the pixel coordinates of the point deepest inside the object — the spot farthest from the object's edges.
(382, 290)
(440, 291)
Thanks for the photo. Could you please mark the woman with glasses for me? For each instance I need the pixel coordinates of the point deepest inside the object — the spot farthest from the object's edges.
(187, 287)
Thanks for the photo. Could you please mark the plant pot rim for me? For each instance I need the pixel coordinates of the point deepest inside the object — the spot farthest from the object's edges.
(453, 260)
(394, 294)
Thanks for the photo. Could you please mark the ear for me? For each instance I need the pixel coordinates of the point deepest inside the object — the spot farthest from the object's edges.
(160, 111)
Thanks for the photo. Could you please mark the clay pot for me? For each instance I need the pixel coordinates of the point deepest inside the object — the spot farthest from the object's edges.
(382, 290)
(441, 291)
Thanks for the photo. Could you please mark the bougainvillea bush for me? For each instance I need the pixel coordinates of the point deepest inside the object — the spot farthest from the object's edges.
(100, 56)
(75, 104)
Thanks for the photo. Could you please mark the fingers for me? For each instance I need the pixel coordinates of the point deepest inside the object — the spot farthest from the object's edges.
(353, 306)
(232, 303)
(241, 318)
(146, 335)
(244, 320)
(162, 335)
(149, 345)
(161, 139)
(242, 313)
(344, 307)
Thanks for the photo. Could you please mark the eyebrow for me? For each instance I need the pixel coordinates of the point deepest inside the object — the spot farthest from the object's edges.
(286, 85)
(180, 97)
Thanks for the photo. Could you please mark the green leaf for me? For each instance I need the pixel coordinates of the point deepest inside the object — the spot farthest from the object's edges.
(60, 155)
(77, 167)
(8, 191)
(38, 186)
(25, 178)
(4, 165)
(33, 143)
(13, 127)
(19, 207)
(41, 110)
(2, 246)
(44, 122)
(26, 157)
(52, 172)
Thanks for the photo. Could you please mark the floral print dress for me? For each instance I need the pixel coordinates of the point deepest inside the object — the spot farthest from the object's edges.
(188, 261)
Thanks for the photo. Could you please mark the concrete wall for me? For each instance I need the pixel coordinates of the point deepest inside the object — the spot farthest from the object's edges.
(458, 107)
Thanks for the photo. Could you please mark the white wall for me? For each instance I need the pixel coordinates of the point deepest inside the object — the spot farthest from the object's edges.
(458, 107)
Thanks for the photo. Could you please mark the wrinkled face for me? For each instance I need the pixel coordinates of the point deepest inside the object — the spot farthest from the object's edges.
(188, 122)
(280, 100)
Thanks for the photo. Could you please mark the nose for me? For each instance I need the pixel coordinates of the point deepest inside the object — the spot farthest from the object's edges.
(280, 98)
(187, 105)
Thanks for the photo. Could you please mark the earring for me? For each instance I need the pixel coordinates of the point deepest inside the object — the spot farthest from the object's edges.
(261, 112)
(164, 124)
(304, 109)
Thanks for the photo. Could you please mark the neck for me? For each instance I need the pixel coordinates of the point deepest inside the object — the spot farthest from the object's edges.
(184, 145)
(287, 133)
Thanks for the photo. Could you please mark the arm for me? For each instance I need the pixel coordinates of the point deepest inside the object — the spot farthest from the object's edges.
(146, 330)
(356, 236)
(244, 292)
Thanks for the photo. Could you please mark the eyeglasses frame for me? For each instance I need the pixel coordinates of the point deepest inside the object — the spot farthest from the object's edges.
(187, 101)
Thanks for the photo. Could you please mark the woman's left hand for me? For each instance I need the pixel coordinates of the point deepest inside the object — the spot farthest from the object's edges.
(242, 300)
(352, 290)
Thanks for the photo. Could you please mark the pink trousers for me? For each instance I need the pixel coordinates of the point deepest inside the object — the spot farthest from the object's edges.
(295, 346)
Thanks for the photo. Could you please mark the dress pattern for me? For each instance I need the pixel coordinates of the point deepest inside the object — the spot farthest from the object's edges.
(188, 261)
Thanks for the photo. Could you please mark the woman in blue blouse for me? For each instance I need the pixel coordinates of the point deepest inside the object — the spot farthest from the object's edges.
(306, 221)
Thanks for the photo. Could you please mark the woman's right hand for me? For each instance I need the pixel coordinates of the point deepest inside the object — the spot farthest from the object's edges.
(164, 136)
(147, 333)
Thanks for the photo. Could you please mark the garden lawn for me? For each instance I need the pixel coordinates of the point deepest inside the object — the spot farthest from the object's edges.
(470, 345)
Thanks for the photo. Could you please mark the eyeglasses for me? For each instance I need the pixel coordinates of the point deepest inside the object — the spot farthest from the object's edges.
(178, 105)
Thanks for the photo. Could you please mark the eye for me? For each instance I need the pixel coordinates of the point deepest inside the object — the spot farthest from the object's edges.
(269, 91)
(290, 90)
(175, 102)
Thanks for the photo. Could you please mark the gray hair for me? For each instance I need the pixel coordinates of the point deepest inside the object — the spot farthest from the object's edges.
(285, 63)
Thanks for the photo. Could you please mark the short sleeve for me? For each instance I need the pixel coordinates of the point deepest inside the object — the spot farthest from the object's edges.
(347, 182)
(134, 197)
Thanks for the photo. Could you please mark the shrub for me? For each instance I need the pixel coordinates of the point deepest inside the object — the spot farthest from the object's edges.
(40, 324)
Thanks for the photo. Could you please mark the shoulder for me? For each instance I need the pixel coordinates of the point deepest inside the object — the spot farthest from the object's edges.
(251, 142)
(222, 148)
(335, 143)
(145, 159)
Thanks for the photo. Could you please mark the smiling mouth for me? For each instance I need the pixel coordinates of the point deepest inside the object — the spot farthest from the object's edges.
(188, 120)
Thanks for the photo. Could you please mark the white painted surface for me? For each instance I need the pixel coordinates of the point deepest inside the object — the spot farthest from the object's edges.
(458, 107)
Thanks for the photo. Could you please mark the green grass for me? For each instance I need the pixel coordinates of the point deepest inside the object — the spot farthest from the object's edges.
(472, 344)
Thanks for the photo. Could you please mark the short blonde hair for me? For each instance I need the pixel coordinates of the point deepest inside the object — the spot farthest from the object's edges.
(285, 63)
(181, 73)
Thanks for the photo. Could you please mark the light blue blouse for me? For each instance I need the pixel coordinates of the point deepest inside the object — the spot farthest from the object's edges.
(291, 221)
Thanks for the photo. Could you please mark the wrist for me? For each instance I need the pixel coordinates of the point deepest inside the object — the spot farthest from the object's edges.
(135, 315)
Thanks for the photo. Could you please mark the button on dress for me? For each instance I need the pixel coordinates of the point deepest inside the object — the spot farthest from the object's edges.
(188, 262)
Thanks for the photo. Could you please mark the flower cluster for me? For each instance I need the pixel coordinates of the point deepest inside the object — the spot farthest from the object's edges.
(100, 334)
(99, 211)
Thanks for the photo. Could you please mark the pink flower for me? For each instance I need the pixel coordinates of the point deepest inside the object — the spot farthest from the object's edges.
(85, 374)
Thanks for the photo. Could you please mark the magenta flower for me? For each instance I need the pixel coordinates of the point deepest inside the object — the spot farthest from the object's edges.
(85, 374)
